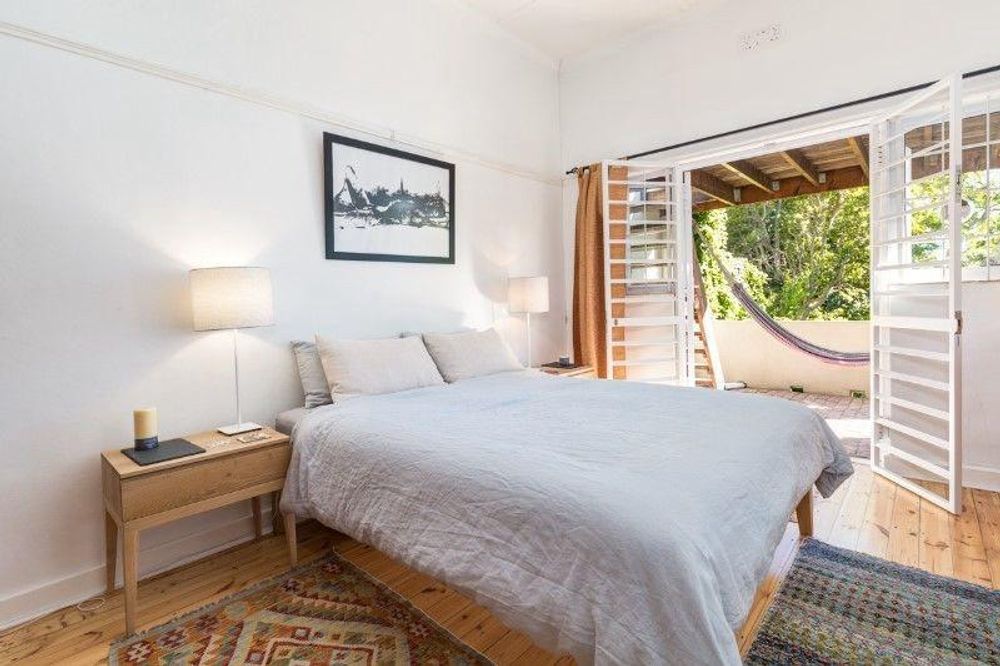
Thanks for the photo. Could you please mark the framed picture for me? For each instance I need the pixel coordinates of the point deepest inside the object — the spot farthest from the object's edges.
(384, 204)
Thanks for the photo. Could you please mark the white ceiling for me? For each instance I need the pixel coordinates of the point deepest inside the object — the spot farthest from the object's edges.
(562, 28)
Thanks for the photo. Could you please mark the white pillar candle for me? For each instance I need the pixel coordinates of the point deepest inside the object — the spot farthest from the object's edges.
(144, 421)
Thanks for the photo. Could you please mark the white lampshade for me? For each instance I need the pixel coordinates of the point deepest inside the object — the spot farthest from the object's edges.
(528, 294)
(231, 297)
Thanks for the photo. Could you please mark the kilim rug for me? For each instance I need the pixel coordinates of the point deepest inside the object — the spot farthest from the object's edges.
(841, 607)
(327, 613)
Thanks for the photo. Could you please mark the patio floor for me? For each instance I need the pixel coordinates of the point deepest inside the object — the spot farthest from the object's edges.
(847, 416)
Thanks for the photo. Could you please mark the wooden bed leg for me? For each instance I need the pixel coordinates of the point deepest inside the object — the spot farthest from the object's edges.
(804, 514)
(293, 550)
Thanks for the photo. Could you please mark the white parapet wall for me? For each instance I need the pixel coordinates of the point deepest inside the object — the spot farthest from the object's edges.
(750, 355)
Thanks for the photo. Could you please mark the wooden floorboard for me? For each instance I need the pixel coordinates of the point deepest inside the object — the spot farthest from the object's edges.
(971, 563)
(904, 533)
(869, 514)
(877, 525)
(849, 523)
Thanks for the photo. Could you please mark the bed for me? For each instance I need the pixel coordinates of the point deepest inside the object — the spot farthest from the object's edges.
(623, 523)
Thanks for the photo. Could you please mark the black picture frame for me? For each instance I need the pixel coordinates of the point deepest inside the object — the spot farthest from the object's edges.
(330, 141)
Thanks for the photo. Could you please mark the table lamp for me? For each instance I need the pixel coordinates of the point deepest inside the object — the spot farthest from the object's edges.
(232, 298)
(528, 295)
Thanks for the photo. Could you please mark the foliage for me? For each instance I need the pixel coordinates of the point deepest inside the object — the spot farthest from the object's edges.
(801, 258)
(711, 232)
(980, 228)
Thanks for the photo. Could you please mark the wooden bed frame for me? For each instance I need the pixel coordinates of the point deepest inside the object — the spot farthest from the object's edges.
(765, 592)
(804, 514)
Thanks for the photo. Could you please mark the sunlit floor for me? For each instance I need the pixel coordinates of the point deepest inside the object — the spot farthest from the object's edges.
(847, 416)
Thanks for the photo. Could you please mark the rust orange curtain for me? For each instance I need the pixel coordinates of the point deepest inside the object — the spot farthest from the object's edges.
(589, 341)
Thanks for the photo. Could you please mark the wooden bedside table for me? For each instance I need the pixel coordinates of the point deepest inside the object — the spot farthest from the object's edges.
(138, 497)
(579, 371)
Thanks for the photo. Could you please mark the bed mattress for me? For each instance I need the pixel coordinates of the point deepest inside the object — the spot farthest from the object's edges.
(285, 422)
(624, 523)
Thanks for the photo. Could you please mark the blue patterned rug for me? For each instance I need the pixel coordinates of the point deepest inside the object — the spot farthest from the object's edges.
(841, 607)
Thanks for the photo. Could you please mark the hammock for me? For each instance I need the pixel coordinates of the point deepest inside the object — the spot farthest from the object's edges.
(781, 333)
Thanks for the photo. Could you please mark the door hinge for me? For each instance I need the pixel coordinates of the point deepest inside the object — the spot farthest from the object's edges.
(958, 322)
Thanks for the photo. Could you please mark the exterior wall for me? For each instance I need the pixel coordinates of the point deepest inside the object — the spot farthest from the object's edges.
(750, 355)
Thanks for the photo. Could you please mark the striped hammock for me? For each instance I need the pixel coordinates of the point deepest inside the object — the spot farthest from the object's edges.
(779, 332)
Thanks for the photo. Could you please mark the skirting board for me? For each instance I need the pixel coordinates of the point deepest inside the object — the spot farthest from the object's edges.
(973, 476)
(983, 478)
(30, 604)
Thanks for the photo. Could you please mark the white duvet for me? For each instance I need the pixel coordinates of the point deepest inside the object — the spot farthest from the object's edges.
(624, 523)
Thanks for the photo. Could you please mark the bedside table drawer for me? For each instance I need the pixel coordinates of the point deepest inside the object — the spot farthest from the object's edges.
(156, 493)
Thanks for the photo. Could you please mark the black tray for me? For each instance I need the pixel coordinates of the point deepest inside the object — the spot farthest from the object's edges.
(168, 450)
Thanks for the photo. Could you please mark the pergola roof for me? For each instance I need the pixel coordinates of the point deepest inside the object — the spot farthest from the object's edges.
(832, 165)
(837, 165)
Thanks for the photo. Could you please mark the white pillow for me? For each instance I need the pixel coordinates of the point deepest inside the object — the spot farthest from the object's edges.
(465, 355)
(371, 367)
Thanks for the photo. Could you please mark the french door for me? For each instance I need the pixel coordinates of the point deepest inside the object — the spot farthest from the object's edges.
(648, 273)
(916, 264)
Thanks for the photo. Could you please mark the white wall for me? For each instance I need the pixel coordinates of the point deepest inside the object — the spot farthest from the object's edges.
(114, 183)
(981, 384)
(690, 79)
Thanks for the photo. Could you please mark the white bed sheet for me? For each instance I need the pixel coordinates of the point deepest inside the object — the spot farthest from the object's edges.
(624, 523)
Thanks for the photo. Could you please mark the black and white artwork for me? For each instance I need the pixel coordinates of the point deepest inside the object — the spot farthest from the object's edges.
(384, 204)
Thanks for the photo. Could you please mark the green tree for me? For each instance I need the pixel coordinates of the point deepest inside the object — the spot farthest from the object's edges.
(804, 257)
(981, 213)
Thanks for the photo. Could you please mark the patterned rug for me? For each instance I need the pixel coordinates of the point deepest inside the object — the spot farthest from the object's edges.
(328, 613)
(841, 607)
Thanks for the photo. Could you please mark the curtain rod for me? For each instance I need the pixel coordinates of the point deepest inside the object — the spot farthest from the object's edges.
(799, 116)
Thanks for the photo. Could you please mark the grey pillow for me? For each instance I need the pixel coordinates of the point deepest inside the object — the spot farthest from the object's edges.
(314, 384)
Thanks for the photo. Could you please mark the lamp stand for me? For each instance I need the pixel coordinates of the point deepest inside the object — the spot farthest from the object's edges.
(528, 323)
(239, 426)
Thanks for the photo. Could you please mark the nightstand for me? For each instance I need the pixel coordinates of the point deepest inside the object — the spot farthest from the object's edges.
(138, 497)
(577, 371)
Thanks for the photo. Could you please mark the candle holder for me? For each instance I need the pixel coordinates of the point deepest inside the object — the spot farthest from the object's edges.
(147, 443)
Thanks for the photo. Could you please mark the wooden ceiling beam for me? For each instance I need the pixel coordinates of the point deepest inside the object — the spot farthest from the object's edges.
(747, 170)
(836, 179)
(716, 188)
(859, 152)
(798, 161)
